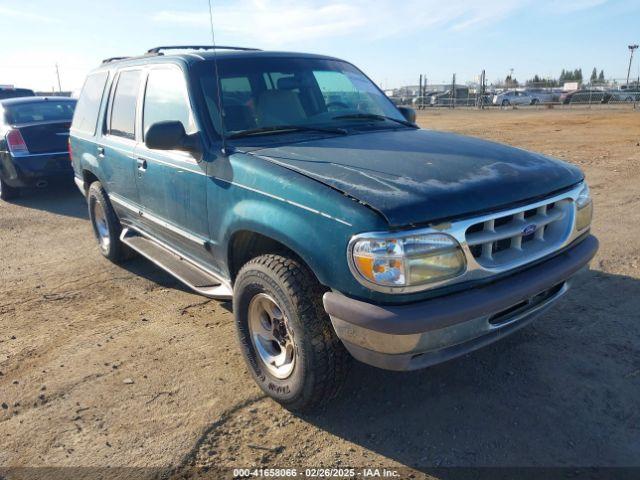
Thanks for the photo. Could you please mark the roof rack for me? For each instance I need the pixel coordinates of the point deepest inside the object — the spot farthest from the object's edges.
(157, 50)
(113, 59)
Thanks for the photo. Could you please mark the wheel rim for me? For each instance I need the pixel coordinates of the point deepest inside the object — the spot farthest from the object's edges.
(271, 336)
(100, 225)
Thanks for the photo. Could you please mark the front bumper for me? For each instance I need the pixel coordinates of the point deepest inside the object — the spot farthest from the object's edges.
(418, 335)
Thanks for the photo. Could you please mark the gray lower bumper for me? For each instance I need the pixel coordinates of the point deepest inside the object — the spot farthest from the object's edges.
(409, 337)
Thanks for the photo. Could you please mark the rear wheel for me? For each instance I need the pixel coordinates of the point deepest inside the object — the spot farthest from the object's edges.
(106, 225)
(8, 192)
(285, 335)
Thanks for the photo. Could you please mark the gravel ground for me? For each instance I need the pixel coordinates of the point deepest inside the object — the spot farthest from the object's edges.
(102, 365)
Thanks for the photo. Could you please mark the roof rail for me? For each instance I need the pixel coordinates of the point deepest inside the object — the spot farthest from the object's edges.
(157, 50)
(113, 59)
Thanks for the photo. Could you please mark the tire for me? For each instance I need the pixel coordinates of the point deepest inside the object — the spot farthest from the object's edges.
(314, 363)
(506, 103)
(535, 101)
(105, 223)
(7, 192)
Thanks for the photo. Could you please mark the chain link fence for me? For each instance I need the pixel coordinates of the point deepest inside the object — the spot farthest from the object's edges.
(544, 94)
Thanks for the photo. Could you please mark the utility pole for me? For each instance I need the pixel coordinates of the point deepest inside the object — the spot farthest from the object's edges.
(424, 90)
(420, 94)
(483, 88)
(453, 91)
(58, 76)
(632, 48)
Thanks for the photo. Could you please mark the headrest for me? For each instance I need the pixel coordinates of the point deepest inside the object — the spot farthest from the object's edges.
(288, 83)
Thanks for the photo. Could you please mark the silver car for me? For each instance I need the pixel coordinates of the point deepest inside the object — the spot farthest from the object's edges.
(513, 97)
(541, 95)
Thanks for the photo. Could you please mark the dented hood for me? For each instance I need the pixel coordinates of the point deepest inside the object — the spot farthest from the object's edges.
(417, 176)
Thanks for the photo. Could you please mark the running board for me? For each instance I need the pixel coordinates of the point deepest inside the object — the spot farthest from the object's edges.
(199, 280)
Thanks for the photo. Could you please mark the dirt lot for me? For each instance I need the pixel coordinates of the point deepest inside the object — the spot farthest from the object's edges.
(103, 365)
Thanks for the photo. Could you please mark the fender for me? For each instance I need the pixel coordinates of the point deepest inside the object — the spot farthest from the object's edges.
(248, 193)
(297, 230)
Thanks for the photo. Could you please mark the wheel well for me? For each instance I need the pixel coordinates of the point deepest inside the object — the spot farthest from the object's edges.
(88, 178)
(245, 245)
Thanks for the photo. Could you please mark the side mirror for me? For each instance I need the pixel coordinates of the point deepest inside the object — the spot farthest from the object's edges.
(170, 135)
(408, 113)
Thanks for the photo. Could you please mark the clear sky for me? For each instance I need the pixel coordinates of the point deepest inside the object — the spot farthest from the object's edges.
(392, 41)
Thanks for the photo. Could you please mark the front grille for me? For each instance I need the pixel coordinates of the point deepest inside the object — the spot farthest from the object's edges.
(526, 234)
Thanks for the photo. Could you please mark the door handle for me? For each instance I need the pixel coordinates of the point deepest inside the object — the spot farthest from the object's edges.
(101, 152)
(142, 164)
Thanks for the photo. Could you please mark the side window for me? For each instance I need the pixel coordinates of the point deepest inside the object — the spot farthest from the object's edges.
(123, 108)
(166, 99)
(85, 117)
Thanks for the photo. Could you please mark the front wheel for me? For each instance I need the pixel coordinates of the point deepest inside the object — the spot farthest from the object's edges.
(7, 192)
(285, 335)
(506, 103)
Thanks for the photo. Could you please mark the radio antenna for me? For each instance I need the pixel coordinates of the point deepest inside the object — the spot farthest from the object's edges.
(218, 83)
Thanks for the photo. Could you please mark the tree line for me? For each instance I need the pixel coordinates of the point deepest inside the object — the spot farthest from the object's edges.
(565, 76)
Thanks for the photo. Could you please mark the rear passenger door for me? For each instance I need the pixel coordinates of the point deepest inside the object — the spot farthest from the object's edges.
(171, 184)
(118, 142)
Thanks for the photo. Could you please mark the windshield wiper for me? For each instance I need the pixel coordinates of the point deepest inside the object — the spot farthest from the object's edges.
(286, 128)
(374, 116)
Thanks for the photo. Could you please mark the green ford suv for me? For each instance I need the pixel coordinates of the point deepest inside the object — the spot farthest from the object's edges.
(292, 185)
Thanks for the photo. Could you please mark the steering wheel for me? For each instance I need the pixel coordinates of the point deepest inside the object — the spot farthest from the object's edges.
(340, 105)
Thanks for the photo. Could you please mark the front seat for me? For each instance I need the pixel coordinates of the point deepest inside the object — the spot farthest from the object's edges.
(279, 107)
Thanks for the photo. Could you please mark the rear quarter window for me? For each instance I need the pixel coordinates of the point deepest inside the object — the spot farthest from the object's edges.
(85, 118)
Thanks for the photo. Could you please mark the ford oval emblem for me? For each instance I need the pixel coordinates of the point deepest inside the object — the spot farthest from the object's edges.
(529, 229)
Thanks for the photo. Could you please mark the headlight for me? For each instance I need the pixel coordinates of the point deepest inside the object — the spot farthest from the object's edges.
(411, 260)
(585, 209)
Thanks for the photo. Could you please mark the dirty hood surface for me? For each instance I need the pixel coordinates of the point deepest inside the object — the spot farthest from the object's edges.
(417, 176)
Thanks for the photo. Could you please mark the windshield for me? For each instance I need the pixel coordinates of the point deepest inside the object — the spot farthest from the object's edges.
(44, 111)
(261, 93)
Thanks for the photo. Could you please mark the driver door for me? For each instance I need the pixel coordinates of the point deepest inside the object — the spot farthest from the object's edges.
(171, 183)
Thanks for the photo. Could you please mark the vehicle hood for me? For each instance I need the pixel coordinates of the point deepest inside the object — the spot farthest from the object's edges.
(419, 176)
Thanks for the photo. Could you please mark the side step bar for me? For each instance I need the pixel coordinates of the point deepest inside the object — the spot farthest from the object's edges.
(195, 277)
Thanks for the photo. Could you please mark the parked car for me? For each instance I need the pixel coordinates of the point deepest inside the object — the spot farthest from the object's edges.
(585, 96)
(447, 99)
(625, 96)
(338, 229)
(7, 91)
(541, 95)
(423, 101)
(34, 136)
(514, 97)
